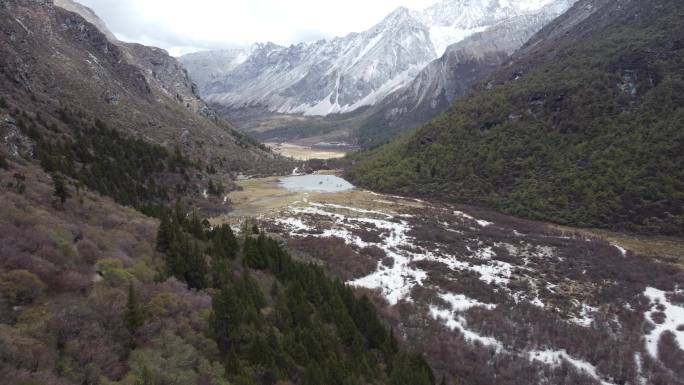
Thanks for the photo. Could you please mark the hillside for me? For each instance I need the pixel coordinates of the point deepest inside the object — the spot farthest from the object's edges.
(64, 83)
(101, 281)
(583, 127)
(88, 297)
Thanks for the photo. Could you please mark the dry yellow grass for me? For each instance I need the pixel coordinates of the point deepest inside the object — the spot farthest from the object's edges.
(655, 246)
(265, 198)
(303, 152)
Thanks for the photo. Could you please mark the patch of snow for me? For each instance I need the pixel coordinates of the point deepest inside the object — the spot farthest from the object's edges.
(622, 250)
(480, 222)
(460, 302)
(296, 172)
(352, 209)
(485, 254)
(585, 317)
(556, 357)
(294, 224)
(641, 380)
(453, 321)
(23, 26)
(674, 316)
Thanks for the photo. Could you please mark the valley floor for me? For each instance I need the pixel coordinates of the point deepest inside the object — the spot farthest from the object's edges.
(487, 297)
(303, 152)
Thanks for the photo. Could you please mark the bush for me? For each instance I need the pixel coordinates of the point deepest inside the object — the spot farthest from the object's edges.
(21, 287)
(113, 272)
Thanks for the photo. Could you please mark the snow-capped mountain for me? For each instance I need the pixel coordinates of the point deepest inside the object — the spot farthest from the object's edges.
(463, 64)
(346, 73)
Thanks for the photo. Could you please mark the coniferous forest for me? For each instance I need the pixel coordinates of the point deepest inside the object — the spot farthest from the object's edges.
(274, 318)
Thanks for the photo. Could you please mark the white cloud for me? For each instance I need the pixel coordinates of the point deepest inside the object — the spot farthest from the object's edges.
(185, 26)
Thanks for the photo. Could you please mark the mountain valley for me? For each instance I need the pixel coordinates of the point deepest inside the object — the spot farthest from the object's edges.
(483, 192)
(409, 67)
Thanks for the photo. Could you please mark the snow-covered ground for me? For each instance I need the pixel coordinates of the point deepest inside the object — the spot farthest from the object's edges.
(556, 357)
(673, 319)
(395, 281)
(518, 267)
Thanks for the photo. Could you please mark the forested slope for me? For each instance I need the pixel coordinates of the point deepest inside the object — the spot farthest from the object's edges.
(583, 128)
(94, 147)
(88, 297)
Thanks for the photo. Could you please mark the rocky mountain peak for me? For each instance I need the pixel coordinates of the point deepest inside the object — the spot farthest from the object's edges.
(346, 73)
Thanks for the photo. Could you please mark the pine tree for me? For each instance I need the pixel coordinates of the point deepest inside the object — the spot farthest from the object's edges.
(220, 273)
(179, 213)
(196, 273)
(60, 189)
(253, 257)
(165, 234)
(313, 375)
(224, 243)
(411, 369)
(133, 317)
(196, 227)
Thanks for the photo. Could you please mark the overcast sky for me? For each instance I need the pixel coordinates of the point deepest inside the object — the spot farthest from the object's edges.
(182, 26)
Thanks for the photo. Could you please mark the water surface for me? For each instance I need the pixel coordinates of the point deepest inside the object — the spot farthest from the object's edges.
(316, 183)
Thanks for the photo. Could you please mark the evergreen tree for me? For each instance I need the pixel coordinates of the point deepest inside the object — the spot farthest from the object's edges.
(313, 375)
(253, 256)
(165, 233)
(134, 316)
(179, 213)
(195, 226)
(411, 369)
(196, 267)
(60, 189)
(175, 257)
(224, 243)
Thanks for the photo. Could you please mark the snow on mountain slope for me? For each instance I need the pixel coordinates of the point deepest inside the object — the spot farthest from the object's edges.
(207, 67)
(346, 73)
(463, 64)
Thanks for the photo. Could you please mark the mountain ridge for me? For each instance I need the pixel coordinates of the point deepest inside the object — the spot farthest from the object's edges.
(353, 70)
(571, 131)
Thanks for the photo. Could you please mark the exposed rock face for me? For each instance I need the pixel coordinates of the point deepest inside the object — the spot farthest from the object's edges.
(208, 67)
(162, 72)
(52, 59)
(449, 77)
(87, 14)
(347, 73)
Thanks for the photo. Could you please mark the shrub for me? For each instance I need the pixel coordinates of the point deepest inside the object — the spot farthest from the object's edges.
(113, 272)
(21, 287)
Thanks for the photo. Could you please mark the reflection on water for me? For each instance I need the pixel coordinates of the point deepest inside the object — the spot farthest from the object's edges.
(318, 183)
